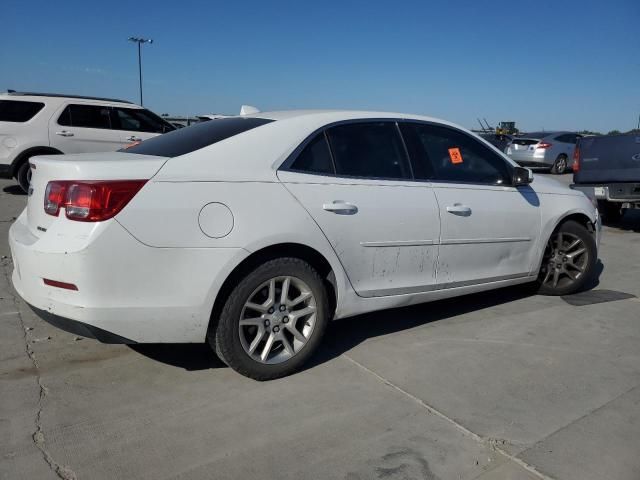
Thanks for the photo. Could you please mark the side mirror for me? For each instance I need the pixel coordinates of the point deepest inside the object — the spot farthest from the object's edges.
(522, 176)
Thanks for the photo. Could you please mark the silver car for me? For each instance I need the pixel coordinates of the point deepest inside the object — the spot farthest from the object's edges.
(549, 150)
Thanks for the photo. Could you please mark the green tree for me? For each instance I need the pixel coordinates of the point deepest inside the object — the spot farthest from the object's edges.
(614, 132)
(589, 132)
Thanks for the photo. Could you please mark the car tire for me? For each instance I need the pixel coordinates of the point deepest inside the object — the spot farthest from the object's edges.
(569, 260)
(23, 176)
(560, 165)
(612, 212)
(255, 320)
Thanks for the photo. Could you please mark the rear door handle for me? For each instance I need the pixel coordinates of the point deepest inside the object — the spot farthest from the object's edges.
(340, 207)
(64, 133)
(133, 138)
(459, 209)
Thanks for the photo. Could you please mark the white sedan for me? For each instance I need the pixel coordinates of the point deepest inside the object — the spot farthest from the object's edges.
(253, 232)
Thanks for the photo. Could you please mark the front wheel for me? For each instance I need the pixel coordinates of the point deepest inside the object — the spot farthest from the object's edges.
(569, 260)
(273, 321)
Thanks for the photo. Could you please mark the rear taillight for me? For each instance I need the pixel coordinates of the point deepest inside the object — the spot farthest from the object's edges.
(543, 145)
(576, 160)
(54, 197)
(89, 200)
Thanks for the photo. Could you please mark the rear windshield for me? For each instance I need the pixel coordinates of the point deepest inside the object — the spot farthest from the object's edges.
(535, 135)
(195, 137)
(523, 141)
(18, 110)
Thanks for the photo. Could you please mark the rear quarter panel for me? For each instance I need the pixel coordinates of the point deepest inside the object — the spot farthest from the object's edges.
(167, 215)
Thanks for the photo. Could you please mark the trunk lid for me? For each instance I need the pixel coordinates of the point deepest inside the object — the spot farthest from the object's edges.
(94, 166)
(524, 144)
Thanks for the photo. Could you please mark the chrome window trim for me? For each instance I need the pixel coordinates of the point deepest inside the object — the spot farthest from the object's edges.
(292, 157)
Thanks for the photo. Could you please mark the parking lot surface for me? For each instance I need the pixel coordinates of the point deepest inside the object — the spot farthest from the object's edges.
(498, 385)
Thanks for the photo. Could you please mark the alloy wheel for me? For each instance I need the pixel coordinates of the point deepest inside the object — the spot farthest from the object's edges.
(565, 260)
(277, 320)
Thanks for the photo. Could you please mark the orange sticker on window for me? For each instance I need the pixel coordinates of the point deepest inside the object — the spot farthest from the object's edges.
(455, 155)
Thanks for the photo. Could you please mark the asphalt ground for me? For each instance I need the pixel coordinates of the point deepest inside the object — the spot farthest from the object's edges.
(498, 385)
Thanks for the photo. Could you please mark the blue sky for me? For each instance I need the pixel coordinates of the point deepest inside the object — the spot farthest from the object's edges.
(551, 65)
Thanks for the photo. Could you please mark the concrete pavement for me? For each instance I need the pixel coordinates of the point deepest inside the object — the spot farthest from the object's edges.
(499, 385)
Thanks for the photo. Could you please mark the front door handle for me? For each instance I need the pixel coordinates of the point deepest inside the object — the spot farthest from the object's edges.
(459, 209)
(64, 133)
(133, 138)
(340, 207)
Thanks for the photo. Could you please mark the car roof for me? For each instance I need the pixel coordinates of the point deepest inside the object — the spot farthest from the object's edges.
(316, 119)
(265, 148)
(38, 96)
(328, 116)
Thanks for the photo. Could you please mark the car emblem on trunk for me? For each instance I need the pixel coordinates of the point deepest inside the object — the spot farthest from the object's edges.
(636, 157)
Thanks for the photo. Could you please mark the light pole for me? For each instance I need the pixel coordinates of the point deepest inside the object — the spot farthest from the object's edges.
(140, 41)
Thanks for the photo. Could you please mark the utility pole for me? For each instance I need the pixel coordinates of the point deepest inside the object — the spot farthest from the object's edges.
(140, 41)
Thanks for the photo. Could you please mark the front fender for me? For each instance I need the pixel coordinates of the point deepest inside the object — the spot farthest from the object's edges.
(555, 209)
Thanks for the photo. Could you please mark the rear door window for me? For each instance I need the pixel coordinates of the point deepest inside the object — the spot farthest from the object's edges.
(449, 155)
(186, 140)
(315, 158)
(18, 111)
(139, 120)
(86, 116)
(369, 150)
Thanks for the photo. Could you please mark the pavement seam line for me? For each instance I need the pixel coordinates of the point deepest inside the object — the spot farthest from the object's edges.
(590, 412)
(464, 430)
(63, 472)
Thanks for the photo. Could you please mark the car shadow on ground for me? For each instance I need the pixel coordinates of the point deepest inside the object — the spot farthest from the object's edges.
(344, 335)
(189, 356)
(13, 190)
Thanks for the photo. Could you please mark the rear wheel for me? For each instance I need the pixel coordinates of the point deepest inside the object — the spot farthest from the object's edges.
(273, 321)
(23, 176)
(569, 260)
(560, 165)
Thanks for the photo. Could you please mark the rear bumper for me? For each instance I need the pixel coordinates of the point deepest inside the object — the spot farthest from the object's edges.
(80, 328)
(620, 193)
(126, 291)
(528, 160)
